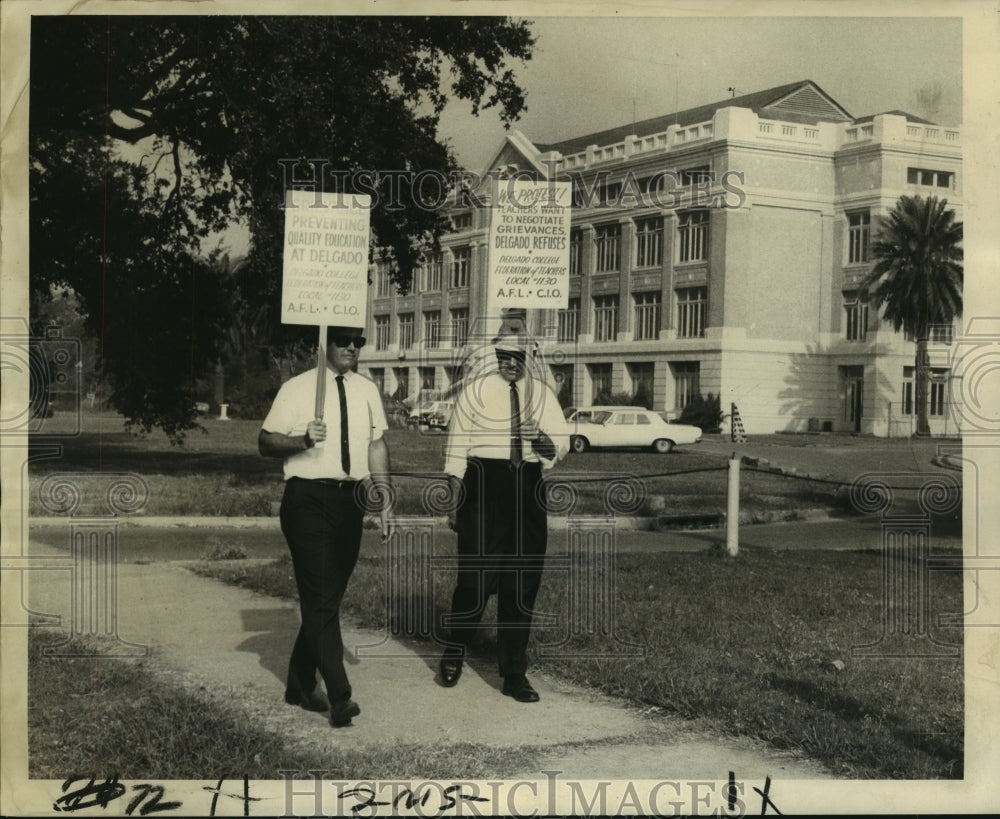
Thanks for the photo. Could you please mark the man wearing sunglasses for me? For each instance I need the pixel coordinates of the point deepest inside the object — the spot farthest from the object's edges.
(334, 467)
(506, 428)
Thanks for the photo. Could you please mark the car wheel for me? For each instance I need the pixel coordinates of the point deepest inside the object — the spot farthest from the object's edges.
(579, 443)
(663, 445)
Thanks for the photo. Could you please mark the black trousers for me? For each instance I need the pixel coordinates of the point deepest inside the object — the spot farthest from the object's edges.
(322, 524)
(502, 535)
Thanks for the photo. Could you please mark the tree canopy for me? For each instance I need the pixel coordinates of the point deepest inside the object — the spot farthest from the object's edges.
(916, 279)
(149, 135)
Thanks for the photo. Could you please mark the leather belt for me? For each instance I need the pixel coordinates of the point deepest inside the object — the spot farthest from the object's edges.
(339, 484)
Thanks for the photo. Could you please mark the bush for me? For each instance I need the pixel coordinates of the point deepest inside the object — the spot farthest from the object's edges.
(606, 398)
(396, 412)
(705, 411)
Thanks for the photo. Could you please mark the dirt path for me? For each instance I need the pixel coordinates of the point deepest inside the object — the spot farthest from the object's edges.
(233, 643)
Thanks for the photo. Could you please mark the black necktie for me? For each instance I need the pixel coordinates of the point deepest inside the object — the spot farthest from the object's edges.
(515, 425)
(345, 450)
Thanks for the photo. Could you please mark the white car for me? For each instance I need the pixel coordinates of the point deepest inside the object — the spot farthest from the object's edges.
(420, 414)
(584, 415)
(440, 416)
(632, 427)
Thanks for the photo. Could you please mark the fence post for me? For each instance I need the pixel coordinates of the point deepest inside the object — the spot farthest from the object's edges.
(733, 507)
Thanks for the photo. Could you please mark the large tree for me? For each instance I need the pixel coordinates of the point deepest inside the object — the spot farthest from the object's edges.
(916, 279)
(149, 135)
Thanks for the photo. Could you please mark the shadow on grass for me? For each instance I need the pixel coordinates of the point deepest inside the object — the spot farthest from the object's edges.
(124, 452)
(851, 709)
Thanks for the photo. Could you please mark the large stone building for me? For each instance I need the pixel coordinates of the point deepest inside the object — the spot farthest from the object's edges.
(714, 250)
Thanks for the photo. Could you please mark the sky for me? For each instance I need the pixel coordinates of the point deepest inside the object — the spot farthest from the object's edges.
(591, 73)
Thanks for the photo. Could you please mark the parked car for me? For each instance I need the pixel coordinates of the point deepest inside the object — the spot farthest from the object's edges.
(420, 415)
(584, 415)
(441, 415)
(625, 427)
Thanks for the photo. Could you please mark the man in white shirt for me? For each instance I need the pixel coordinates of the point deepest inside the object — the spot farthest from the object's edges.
(330, 464)
(506, 428)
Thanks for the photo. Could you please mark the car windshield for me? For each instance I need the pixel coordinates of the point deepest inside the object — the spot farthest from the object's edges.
(600, 417)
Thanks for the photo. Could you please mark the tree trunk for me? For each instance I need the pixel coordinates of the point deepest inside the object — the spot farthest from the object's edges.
(219, 384)
(921, 385)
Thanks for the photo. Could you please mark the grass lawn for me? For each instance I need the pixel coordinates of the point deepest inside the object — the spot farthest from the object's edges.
(97, 716)
(218, 472)
(757, 646)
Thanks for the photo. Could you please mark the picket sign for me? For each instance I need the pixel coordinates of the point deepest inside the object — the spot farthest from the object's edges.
(324, 277)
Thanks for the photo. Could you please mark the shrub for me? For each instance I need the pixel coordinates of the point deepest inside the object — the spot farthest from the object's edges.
(705, 411)
(606, 398)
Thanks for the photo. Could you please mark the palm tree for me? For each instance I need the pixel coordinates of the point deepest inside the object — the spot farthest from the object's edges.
(917, 278)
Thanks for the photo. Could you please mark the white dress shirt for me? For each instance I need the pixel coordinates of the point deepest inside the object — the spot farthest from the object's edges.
(480, 424)
(294, 407)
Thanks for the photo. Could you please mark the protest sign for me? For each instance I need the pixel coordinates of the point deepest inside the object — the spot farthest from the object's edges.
(529, 245)
(325, 267)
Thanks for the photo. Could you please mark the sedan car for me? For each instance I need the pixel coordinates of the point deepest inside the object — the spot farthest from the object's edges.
(577, 416)
(420, 415)
(440, 416)
(632, 427)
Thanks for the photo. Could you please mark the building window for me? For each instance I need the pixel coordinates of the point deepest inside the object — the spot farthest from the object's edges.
(427, 379)
(461, 221)
(459, 326)
(432, 328)
(575, 252)
(607, 247)
(692, 308)
(378, 376)
(605, 318)
(405, 331)
(692, 236)
(381, 332)
(855, 317)
(649, 243)
(687, 375)
(402, 375)
(562, 376)
(930, 179)
(383, 283)
(642, 383)
(941, 334)
(939, 380)
(569, 322)
(609, 193)
(695, 176)
(460, 267)
(600, 380)
(859, 234)
(937, 388)
(907, 403)
(430, 273)
(647, 315)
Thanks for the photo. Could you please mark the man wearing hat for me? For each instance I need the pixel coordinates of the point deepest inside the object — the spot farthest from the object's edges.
(506, 428)
(330, 465)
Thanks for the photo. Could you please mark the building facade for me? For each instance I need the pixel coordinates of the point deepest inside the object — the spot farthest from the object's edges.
(716, 250)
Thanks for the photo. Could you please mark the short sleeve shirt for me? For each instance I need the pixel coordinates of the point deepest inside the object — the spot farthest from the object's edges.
(294, 407)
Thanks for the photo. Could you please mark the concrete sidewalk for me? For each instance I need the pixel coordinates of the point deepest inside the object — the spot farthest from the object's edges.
(231, 643)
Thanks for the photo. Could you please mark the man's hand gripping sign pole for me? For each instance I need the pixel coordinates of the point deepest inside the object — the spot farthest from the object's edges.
(325, 267)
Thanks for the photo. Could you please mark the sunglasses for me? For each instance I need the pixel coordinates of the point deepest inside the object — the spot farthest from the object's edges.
(347, 341)
(510, 360)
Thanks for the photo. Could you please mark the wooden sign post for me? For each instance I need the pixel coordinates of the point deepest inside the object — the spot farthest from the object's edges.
(325, 266)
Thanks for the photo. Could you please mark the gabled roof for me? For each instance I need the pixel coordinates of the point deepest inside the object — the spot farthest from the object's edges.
(802, 101)
(907, 116)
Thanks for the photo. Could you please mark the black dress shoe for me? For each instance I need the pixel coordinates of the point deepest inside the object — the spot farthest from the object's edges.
(518, 687)
(342, 712)
(451, 670)
(309, 700)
